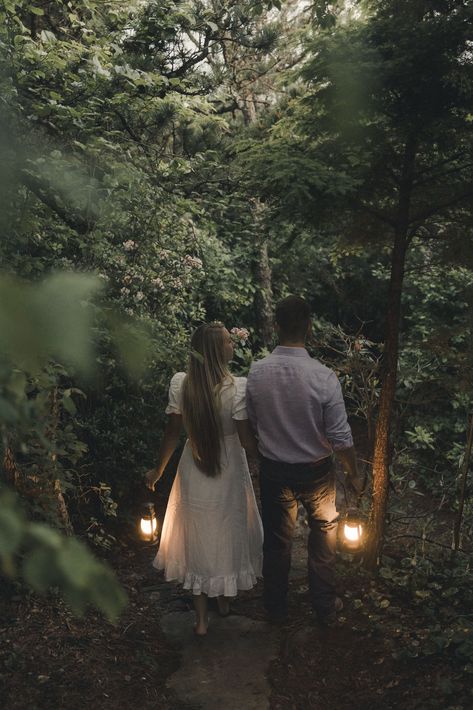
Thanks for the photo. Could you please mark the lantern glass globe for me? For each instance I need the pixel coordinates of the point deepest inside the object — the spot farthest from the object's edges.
(148, 526)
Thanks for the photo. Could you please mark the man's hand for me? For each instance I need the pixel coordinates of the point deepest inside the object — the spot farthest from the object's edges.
(355, 480)
(151, 478)
(356, 484)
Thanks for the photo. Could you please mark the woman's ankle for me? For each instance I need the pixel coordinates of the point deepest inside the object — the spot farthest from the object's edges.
(201, 627)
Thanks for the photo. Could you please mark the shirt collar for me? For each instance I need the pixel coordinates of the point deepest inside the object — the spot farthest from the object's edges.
(292, 352)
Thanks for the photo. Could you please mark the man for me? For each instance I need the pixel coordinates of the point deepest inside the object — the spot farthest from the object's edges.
(296, 407)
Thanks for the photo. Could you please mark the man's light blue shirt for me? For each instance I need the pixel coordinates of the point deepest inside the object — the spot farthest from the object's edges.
(296, 407)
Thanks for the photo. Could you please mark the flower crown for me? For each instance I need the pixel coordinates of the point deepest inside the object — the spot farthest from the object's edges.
(239, 335)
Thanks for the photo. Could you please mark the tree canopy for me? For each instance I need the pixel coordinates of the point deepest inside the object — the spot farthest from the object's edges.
(165, 163)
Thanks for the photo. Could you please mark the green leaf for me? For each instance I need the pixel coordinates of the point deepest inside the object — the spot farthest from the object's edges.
(17, 383)
(68, 404)
(39, 568)
(107, 595)
(44, 535)
(76, 600)
(11, 531)
(8, 412)
(47, 36)
(36, 10)
(76, 563)
(133, 344)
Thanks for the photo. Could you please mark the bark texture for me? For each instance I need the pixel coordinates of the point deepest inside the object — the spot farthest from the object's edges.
(381, 454)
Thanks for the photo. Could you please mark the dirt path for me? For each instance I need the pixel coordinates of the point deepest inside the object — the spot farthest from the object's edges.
(371, 661)
(228, 668)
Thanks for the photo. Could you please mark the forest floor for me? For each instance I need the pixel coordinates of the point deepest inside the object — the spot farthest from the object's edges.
(374, 658)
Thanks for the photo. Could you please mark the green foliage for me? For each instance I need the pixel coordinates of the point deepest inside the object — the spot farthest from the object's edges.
(435, 373)
(40, 443)
(51, 319)
(137, 140)
(49, 559)
(441, 592)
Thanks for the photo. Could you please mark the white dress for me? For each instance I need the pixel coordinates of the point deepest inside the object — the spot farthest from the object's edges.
(212, 535)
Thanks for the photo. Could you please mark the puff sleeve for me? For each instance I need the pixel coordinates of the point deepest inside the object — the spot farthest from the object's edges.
(174, 404)
(239, 400)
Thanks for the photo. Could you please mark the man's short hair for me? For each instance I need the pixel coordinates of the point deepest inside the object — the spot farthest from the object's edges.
(293, 318)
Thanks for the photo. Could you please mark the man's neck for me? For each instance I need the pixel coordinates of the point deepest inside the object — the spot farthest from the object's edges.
(289, 344)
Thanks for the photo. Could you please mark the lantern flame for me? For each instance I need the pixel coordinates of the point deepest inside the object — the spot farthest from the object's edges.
(148, 527)
(353, 532)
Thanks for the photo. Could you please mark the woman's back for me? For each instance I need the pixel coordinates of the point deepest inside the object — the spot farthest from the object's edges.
(231, 401)
(212, 535)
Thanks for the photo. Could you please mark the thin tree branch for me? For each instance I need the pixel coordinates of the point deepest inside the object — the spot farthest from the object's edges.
(429, 212)
(74, 220)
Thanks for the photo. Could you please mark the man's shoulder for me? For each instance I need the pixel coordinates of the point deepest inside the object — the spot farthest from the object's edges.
(258, 365)
(320, 369)
(311, 363)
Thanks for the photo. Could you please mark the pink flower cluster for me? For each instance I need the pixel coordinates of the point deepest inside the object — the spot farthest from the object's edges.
(192, 262)
(240, 335)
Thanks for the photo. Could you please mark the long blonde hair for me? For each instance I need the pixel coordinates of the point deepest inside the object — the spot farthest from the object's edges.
(201, 389)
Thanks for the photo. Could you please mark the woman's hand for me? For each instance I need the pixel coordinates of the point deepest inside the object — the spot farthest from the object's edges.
(151, 478)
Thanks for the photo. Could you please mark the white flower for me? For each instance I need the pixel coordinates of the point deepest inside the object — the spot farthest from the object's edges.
(157, 283)
(130, 245)
(240, 334)
(192, 262)
(124, 291)
(139, 296)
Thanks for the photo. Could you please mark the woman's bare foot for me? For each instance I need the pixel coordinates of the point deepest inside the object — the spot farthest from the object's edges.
(200, 628)
(223, 604)
(201, 615)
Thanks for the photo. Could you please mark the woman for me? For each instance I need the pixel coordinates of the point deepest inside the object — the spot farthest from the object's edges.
(212, 535)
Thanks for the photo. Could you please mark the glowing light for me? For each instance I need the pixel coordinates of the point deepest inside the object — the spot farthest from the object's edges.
(352, 532)
(148, 523)
(148, 527)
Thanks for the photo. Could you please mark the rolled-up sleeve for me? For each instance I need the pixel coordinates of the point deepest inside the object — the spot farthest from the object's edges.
(239, 401)
(174, 403)
(337, 429)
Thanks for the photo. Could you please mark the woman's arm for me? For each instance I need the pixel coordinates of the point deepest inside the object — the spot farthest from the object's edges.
(247, 437)
(170, 440)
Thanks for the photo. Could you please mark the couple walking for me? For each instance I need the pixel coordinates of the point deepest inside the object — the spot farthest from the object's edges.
(291, 415)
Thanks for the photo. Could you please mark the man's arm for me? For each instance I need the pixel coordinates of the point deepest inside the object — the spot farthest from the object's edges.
(338, 432)
(170, 440)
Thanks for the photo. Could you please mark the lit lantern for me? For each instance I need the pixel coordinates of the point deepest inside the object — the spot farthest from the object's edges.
(353, 532)
(148, 523)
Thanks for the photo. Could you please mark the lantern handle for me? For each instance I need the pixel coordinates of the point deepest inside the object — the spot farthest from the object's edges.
(357, 499)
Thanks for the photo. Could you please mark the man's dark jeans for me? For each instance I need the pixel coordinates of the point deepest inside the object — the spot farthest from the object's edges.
(282, 485)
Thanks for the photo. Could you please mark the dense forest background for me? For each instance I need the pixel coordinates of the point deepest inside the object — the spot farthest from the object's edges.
(165, 163)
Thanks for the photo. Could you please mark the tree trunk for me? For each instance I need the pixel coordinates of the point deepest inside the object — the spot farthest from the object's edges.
(381, 454)
(10, 468)
(54, 485)
(44, 487)
(466, 466)
(263, 274)
(264, 296)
